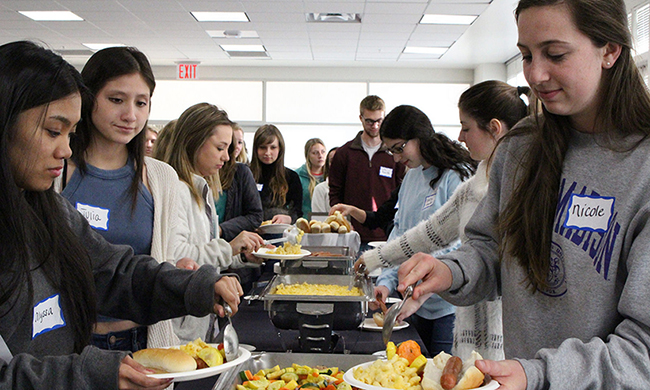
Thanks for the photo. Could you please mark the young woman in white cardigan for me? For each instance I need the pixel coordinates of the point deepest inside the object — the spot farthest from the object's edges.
(197, 150)
(487, 110)
(124, 195)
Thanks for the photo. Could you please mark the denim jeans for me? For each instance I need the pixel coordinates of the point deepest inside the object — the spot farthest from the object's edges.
(437, 334)
(127, 340)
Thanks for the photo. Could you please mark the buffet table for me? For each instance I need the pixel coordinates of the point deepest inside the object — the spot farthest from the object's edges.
(255, 328)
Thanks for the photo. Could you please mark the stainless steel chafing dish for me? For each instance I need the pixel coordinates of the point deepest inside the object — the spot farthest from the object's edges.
(230, 379)
(339, 262)
(341, 312)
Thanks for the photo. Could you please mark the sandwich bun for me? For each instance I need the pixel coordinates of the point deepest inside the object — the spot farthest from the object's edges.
(166, 360)
(470, 377)
(378, 317)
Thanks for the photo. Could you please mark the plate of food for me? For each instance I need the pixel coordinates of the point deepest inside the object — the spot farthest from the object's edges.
(274, 254)
(272, 228)
(465, 377)
(370, 324)
(176, 363)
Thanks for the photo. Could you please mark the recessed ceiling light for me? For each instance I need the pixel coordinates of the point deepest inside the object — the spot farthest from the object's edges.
(51, 15)
(100, 46)
(220, 16)
(425, 50)
(447, 19)
(333, 17)
(232, 34)
(248, 48)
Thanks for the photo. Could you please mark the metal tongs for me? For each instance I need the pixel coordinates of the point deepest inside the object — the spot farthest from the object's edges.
(291, 234)
(359, 276)
(391, 315)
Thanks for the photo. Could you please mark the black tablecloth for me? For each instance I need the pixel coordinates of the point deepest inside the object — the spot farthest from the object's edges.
(255, 328)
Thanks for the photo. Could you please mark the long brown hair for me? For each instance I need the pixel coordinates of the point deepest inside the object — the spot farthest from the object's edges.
(308, 145)
(102, 67)
(227, 172)
(265, 135)
(526, 224)
(195, 125)
(494, 99)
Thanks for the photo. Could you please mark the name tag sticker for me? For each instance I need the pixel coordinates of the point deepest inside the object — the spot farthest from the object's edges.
(428, 201)
(591, 213)
(386, 172)
(97, 217)
(47, 315)
(259, 187)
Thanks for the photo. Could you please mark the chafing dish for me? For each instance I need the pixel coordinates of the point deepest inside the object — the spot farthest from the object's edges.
(289, 311)
(324, 260)
(229, 380)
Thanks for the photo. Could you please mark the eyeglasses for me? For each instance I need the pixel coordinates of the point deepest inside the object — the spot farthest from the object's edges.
(397, 149)
(371, 122)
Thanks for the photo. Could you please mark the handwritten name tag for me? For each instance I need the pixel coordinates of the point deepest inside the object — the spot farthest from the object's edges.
(47, 316)
(386, 172)
(97, 217)
(428, 201)
(589, 213)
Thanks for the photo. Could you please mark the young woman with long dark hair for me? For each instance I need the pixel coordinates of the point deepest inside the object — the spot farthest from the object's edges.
(563, 230)
(57, 273)
(279, 187)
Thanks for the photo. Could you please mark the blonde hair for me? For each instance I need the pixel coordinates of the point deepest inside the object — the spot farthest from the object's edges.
(308, 145)
(243, 155)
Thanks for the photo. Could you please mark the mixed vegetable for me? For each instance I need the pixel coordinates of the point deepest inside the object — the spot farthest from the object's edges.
(294, 378)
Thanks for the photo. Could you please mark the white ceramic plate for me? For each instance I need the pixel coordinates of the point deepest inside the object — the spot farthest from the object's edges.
(275, 228)
(352, 381)
(369, 324)
(248, 347)
(264, 254)
(376, 244)
(244, 355)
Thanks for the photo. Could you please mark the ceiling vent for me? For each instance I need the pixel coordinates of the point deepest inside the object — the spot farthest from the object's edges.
(248, 54)
(332, 17)
(75, 53)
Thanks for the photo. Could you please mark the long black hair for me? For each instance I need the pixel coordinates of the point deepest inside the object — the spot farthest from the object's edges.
(408, 122)
(104, 66)
(34, 233)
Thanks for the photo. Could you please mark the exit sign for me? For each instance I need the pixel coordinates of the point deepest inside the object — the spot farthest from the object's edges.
(187, 71)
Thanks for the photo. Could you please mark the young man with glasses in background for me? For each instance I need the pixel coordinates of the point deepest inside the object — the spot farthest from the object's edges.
(362, 173)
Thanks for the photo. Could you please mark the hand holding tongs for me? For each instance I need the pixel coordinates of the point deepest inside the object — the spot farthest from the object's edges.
(359, 275)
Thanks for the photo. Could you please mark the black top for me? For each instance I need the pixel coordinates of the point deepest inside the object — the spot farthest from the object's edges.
(293, 204)
(243, 204)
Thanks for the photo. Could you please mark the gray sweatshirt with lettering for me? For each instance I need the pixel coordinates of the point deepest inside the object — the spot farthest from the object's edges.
(590, 329)
(128, 286)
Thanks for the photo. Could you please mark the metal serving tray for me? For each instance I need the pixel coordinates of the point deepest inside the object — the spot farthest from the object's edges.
(340, 264)
(286, 359)
(340, 312)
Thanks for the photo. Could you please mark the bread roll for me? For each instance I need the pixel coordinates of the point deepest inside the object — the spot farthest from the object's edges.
(334, 226)
(378, 317)
(315, 227)
(168, 360)
(469, 378)
(342, 230)
(303, 225)
(325, 228)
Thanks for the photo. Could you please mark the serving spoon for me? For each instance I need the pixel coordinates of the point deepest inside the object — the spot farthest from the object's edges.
(230, 338)
(391, 315)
